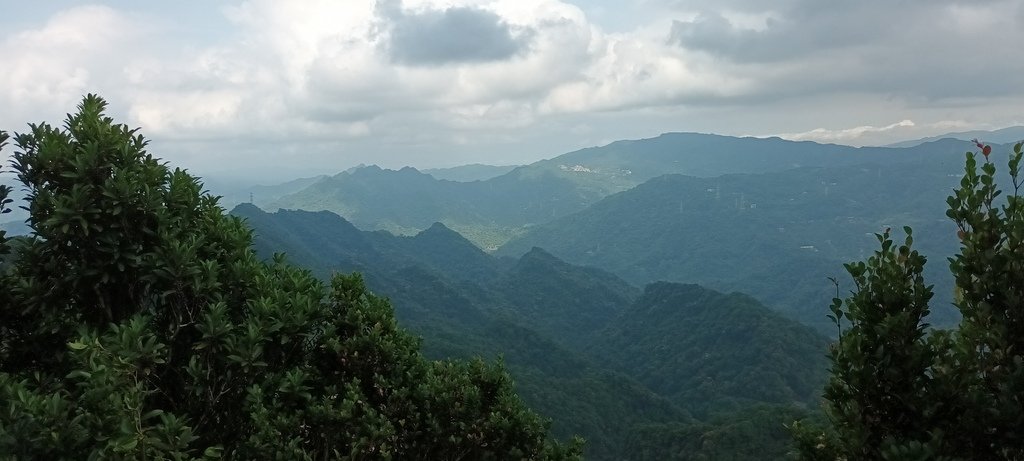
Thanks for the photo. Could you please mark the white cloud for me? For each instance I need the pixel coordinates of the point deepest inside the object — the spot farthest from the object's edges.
(845, 134)
(47, 70)
(321, 77)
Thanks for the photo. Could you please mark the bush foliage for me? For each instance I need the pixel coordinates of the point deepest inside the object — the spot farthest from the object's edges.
(137, 323)
(901, 391)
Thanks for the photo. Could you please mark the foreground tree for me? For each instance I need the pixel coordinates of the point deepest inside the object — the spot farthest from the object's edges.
(137, 323)
(899, 391)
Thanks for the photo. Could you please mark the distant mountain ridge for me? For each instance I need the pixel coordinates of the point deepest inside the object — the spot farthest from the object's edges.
(234, 194)
(1001, 136)
(493, 211)
(470, 173)
(14, 221)
(776, 236)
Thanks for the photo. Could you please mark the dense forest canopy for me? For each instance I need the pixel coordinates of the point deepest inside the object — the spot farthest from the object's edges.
(581, 342)
(137, 323)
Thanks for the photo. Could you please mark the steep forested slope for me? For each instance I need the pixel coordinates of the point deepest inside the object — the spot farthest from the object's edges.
(709, 351)
(452, 294)
(776, 236)
(560, 329)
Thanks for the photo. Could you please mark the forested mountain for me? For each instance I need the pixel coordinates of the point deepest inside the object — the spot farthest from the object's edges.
(552, 322)
(682, 341)
(776, 236)
(407, 201)
(470, 173)
(491, 212)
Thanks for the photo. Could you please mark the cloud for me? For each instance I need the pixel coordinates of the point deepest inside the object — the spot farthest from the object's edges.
(46, 70)
(448, 36)
(327, 82)
(846, 134)
(920, 51)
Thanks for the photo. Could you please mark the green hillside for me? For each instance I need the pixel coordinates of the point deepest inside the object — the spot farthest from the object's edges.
(776, 236)
(711, 352)
(554, 322)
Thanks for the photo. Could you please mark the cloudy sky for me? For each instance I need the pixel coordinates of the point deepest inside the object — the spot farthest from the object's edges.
(279, 89)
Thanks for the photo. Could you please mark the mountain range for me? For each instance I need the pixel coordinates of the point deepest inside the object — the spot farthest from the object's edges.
(561, 330)
(776, 236)
(470, 173)
(665, 298)
(493, 211)
(768, 217)
(1007, 135)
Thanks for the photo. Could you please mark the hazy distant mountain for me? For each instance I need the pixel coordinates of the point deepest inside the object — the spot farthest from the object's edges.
(407, 201)
(15, 227)
(776, 236)
(233, 193)
(469, 173)
(1002, 136)
(491, 212)
(14, 221)
(326, 242)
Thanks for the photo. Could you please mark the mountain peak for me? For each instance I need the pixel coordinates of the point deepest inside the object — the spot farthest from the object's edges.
(438, 226)
(540, 253)
(540, 258)
(438, 229)
(246, 209)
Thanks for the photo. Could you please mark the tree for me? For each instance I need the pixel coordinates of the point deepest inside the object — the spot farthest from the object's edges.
(879, 388)
(989, 274)
(136, 322)
(901, 391)
(5, 200)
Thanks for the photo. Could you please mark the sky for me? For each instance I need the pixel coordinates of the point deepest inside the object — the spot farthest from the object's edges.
(273, 90)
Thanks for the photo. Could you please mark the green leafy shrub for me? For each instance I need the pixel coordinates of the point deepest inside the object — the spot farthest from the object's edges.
(901, 391)
(137, 323)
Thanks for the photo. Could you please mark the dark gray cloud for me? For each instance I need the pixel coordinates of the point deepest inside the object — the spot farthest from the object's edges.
(915, 50)
(449, 36)
(781, 38)
(798, 28)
